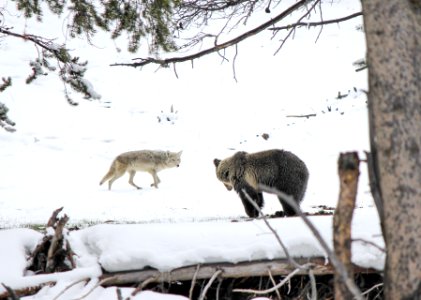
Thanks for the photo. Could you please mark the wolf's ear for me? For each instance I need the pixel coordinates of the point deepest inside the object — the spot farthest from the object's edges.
(216, 162)
(179, 153)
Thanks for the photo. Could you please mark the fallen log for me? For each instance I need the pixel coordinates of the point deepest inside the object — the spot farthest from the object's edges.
(278, 267)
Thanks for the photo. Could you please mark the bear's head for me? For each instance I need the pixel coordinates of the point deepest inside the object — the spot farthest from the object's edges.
(223, 172)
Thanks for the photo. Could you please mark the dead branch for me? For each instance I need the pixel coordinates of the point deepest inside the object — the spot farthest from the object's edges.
(339, 267)
(217, 47)
(348, 169)
(26, 291)
(56, 246)
(43, 43)
(142, 285)
(307, 266)
(281, 267)
(313, 285)
(315, 24)
(292, 31)
(12, 295)
(68, 287)
(274, 284)
(373, 288)
(301, 116)
(50, 254)
(381, 249)
(99, 283)
(53, 219)
(208, 285)
(284, 248)
(272, 289)
(193, 282)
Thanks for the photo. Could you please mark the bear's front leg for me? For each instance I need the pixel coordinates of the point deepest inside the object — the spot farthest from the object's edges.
(246, 194)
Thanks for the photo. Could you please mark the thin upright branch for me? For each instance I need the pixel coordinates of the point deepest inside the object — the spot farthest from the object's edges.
(208, 285)
(284, 248)
(340, 268)
(193, 282)
(274, 284)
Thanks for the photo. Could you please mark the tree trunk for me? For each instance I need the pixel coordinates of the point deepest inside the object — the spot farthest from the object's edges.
(393, 35)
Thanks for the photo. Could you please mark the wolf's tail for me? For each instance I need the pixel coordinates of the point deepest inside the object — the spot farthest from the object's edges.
(109, 174)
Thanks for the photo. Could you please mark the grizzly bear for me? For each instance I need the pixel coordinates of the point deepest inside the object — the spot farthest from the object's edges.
(278, 169)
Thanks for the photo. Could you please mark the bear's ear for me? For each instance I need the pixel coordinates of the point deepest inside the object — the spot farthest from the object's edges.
(216, 162)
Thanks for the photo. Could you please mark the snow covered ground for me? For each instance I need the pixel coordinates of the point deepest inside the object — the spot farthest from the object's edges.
(59, 153)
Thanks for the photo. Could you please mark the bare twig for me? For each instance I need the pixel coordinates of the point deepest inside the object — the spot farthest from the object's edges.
(292, 31)
(340, 268)
(193, 282)
(313, 285)
(307, 266)
(301, 116)
(99, 283)
(43, 43)
(274, 284)
(164, 62)
(68, 287)
(381, 249)
(11, 292)
(208, 285)
(143, 284)
(314, 24)
(274, 288)
(372, 288)
(53, 219)
(284, 248)
(233, 63)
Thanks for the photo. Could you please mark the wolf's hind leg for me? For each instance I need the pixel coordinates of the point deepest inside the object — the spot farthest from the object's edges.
(117, 175)
(132, 173)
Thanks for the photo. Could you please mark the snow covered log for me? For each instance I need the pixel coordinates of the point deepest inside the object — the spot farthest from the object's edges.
(276, 267)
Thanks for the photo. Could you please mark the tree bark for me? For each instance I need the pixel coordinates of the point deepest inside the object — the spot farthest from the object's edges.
(348, 168)
(393, 36)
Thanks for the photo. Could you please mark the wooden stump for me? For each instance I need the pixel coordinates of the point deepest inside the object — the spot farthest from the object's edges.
(348, 168)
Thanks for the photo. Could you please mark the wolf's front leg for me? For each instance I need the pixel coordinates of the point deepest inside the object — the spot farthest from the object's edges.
(132, 173)
(156, 179)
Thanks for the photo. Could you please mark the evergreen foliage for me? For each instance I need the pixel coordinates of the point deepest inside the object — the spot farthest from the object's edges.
(5, 122)
(138, 19)
(149, 20)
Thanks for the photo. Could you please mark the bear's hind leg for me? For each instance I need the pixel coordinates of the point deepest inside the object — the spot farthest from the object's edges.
(288, 210)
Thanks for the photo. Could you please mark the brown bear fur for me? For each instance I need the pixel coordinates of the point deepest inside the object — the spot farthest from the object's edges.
(278, 169)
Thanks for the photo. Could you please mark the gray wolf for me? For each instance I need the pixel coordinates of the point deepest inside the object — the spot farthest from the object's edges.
(278, 169)
(150, 161)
